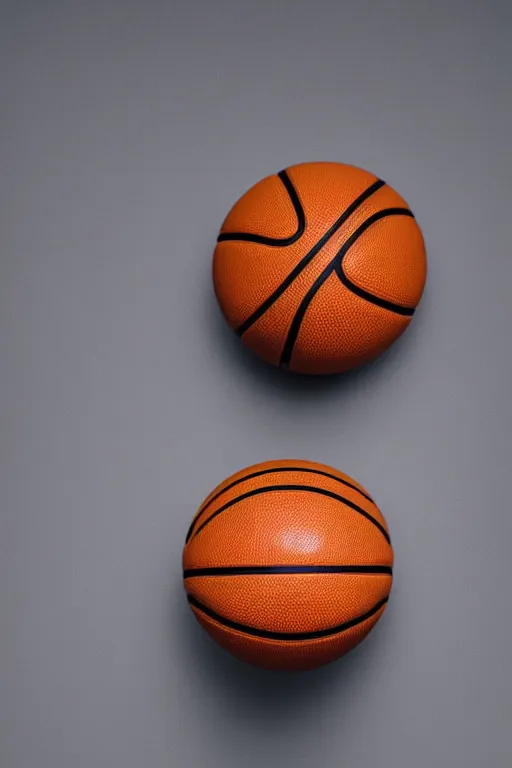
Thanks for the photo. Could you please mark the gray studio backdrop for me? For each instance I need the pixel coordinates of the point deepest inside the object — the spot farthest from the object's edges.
(127, 130)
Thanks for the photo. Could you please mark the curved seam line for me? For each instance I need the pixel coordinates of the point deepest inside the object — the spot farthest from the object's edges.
(400, 309)
(275, 241)
(288, 636)
(371, 298)
(261, 472)
(334, 265)
(303, 263)
(306, 488)
(277, 570)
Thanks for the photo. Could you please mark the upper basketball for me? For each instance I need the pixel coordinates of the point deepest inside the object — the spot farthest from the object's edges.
(320, 267)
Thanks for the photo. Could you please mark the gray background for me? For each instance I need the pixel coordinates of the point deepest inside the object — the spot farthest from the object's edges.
(128, 129)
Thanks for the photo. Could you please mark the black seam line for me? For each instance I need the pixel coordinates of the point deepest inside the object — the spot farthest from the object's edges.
(335, 264)
(282, 241)
(270, 570)
(256, 632)
(303, 263)
(267, 472)
(305, 488)
(338, 264)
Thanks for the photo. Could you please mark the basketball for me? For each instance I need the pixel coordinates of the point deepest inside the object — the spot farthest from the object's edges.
(288, 564)
(320, 267)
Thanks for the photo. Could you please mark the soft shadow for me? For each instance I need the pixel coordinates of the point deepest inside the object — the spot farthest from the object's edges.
(272, 697)
(299, 386)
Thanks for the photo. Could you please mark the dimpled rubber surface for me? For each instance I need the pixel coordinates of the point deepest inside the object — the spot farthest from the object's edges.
(263, 210)
(260, 285)
(297, 602)
(287, 655)
(293, 515)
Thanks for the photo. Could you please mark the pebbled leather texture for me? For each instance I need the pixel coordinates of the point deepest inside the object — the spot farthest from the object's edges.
(296, 515)
(345, 323)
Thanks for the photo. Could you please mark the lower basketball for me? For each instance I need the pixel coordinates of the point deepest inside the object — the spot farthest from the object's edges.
(288, 564)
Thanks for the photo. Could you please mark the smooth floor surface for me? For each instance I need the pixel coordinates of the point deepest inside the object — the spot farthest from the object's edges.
(127, 131)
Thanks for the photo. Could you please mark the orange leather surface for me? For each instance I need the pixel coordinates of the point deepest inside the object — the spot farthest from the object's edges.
(265, 209)
(380, 261)
(388, 261)
(339, 331)
(287, 655)
(267, 466)
(294, 472)
(299, 602)
(288, 522)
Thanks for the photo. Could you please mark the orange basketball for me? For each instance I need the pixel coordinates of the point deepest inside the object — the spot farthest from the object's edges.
(320, 267)
(288, 564)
